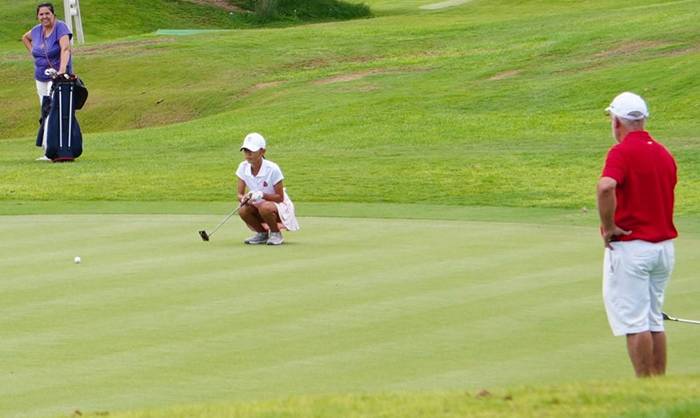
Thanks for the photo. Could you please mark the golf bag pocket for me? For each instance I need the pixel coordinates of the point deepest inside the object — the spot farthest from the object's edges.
(80, 93)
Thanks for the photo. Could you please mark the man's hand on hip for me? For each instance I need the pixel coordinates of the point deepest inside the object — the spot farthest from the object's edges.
(610, 234)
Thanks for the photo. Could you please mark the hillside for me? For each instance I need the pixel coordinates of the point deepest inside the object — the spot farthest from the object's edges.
(493, 103)
(104, 20)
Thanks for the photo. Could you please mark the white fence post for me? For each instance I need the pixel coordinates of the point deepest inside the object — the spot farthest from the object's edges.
(71, 10)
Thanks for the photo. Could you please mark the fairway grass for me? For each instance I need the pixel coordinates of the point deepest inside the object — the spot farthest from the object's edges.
(154, 317)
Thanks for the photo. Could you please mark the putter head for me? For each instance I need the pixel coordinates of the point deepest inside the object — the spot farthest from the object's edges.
(204, 235)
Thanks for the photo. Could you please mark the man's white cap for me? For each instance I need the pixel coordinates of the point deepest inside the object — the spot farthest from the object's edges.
(253, 142)
(628, 106)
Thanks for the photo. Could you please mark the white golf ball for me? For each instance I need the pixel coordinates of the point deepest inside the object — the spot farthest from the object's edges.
(77, 260)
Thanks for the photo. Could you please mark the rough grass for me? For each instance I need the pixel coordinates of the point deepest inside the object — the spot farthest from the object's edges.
(674, 397)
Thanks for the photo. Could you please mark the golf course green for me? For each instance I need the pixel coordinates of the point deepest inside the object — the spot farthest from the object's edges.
(443, 162)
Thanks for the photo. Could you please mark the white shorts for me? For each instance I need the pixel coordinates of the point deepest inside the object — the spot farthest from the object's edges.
(43, 88)
(635, 274)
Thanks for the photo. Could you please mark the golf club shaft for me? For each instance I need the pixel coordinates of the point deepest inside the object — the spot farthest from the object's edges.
(673, 318)
(235, 211)
(224, 221)
(70, 111)
(687, 321)
(60, 118)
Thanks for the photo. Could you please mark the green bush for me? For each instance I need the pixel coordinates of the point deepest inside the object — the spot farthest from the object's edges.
(265, 8)
(305, 9)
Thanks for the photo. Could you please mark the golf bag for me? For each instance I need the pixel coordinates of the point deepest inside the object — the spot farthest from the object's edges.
(60, 132)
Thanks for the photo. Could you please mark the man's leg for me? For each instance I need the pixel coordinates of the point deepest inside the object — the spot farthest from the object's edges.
(660, 276)
(250, 216)
(640, 348)
(659, 341)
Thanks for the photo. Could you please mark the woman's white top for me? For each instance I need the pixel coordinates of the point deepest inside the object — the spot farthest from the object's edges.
(269, 175)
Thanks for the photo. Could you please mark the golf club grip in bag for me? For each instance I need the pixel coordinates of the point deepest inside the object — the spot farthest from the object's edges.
(64, 141)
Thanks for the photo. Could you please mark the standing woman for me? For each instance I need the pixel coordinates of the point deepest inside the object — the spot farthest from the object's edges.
(49, 44)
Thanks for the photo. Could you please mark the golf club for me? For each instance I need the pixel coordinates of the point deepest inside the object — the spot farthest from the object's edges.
(203, 233)
(671, 318)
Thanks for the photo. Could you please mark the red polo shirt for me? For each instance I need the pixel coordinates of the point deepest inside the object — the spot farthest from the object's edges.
(645, 172)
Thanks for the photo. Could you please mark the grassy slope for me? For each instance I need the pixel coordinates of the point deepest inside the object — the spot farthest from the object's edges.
(153, 317)
(423, 121)
(105, 19)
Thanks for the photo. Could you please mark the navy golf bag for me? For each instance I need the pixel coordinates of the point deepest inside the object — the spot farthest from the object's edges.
(59, 131)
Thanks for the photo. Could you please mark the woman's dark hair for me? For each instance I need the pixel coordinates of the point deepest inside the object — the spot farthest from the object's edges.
(49, 5)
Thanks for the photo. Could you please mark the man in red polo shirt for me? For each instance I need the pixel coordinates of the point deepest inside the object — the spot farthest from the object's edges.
(635, 203)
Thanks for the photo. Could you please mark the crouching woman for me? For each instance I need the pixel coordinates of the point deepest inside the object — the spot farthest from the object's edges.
(266, 208)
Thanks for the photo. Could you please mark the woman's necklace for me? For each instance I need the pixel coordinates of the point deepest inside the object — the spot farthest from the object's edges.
(47, 31)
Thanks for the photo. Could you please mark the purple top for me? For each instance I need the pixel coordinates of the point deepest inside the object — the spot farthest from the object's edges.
(48, 50)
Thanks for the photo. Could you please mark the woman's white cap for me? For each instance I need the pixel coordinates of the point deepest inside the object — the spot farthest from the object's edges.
(253, 142)
(628, 106)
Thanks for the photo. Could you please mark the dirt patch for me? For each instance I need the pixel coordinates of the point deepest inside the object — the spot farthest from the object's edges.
(444, 4)
(363, 89)
(222, 4)
(659, 49)
(344, 78)
(104, 49)
(257, 87)
(327, 62)
(682, 51)
(261, 86)
(168, 115)
(630, 48)
(505, 74)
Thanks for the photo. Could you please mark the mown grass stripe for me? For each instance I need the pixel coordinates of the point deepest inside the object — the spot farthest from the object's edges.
(346, 306)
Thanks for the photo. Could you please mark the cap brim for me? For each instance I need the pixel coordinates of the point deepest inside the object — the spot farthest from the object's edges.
(626, 117)
(609, 111)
